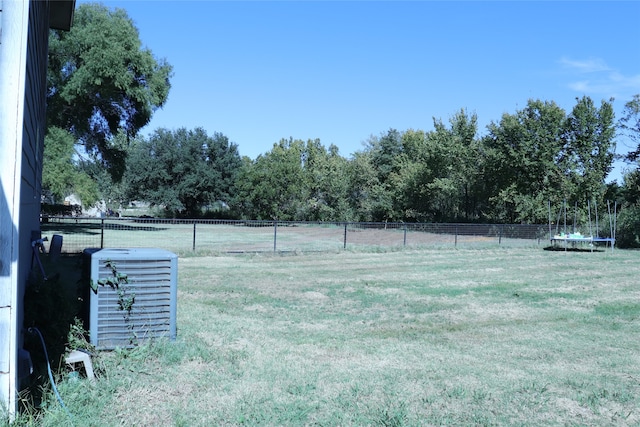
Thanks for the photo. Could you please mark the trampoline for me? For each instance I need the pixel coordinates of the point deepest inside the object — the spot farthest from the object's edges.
(576, 237)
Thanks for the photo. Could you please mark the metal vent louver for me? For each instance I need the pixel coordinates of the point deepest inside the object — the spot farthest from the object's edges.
(152, 276)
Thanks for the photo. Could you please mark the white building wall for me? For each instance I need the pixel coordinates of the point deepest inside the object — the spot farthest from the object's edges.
(23, 56)
(14, 19)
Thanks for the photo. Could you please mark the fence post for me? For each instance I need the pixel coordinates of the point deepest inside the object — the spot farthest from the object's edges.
(275, 235)
(455, 243)
(404, 243)
(194, 235)
(102, 233)
(500, 235)
(344, 245)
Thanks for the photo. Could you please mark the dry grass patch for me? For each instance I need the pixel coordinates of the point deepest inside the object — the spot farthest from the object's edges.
(421, 337)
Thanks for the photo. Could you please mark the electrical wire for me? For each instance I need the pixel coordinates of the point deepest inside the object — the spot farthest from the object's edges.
(53, 383)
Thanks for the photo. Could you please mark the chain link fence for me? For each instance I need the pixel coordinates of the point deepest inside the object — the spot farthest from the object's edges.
(228, 236)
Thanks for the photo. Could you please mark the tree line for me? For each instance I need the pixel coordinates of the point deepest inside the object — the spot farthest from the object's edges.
(104, 87)
(448, 174)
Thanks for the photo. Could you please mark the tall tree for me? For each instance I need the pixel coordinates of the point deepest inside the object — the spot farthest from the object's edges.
(630, 126)
(183, 171)
(386, 154)
(628, 233)
(628, 223)
(439, 170)
(101, 81)
(457, 164)
(61, 175)
(406, 183)
(327, 183)
(273, 186)
(112, 190)
(525, 162)
(366, 195)
(589, 144)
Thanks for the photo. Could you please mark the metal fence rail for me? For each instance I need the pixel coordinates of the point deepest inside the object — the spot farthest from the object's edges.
(186, 235)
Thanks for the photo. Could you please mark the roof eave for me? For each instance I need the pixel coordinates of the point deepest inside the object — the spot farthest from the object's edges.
(61, 14)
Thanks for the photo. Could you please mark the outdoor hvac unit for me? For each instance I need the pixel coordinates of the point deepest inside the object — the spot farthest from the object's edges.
(152, 277)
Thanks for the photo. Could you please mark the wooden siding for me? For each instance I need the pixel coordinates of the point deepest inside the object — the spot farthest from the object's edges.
(24, 35)
(33, 129)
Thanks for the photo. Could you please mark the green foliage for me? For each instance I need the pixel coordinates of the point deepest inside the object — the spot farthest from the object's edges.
(183, 171)
(118, 282)
(61, 175)
(386, 153)
(101, 81)
(541, 154)
(61, 210)
(325, 174)
(537, 155)
(525, 162)
(418, 176)
(296, 180)
(77, 338)
(113, 191)
(630, 126)
(273, 186)
(113, 281)
(589, 145)
(446, 186)
(628, 226)
(367, 196)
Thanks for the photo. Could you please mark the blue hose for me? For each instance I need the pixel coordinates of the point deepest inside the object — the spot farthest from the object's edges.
(53, 383)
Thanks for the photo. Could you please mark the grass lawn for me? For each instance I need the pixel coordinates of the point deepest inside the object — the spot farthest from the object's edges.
(516, 336)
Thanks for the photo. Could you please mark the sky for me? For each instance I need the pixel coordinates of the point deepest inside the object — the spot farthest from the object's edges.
(260, 71)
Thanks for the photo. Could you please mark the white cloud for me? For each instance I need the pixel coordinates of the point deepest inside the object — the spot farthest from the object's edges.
(632, 82)
(591, 65)
(582, 86)
(601, 79)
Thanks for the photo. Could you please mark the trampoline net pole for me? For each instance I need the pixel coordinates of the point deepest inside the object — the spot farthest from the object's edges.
(589, 212)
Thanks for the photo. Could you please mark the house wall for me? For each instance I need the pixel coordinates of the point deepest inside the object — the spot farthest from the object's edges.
(23, 56)
(33, 131)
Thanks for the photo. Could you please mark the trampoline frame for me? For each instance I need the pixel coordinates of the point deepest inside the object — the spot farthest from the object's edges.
(577, 237)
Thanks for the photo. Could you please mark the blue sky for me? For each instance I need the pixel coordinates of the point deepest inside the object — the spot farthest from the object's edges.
(343, 71)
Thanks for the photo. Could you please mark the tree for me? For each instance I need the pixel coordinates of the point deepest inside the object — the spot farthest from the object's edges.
(630, 126)
(366, 194)
(61, 176)
(386, 154)
(450, 164)
(273, 185)
(101, 81)
(326, 178)
(418, 176)
(183, 171)
(628, 223)
(526, 163)
(628, 234)
(112, 191)
(296, 181)
(589, 145)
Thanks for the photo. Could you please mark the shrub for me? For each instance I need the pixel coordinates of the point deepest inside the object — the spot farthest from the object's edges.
(628, 227)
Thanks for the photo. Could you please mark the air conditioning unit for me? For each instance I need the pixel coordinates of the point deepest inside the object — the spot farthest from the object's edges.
(152, 280)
